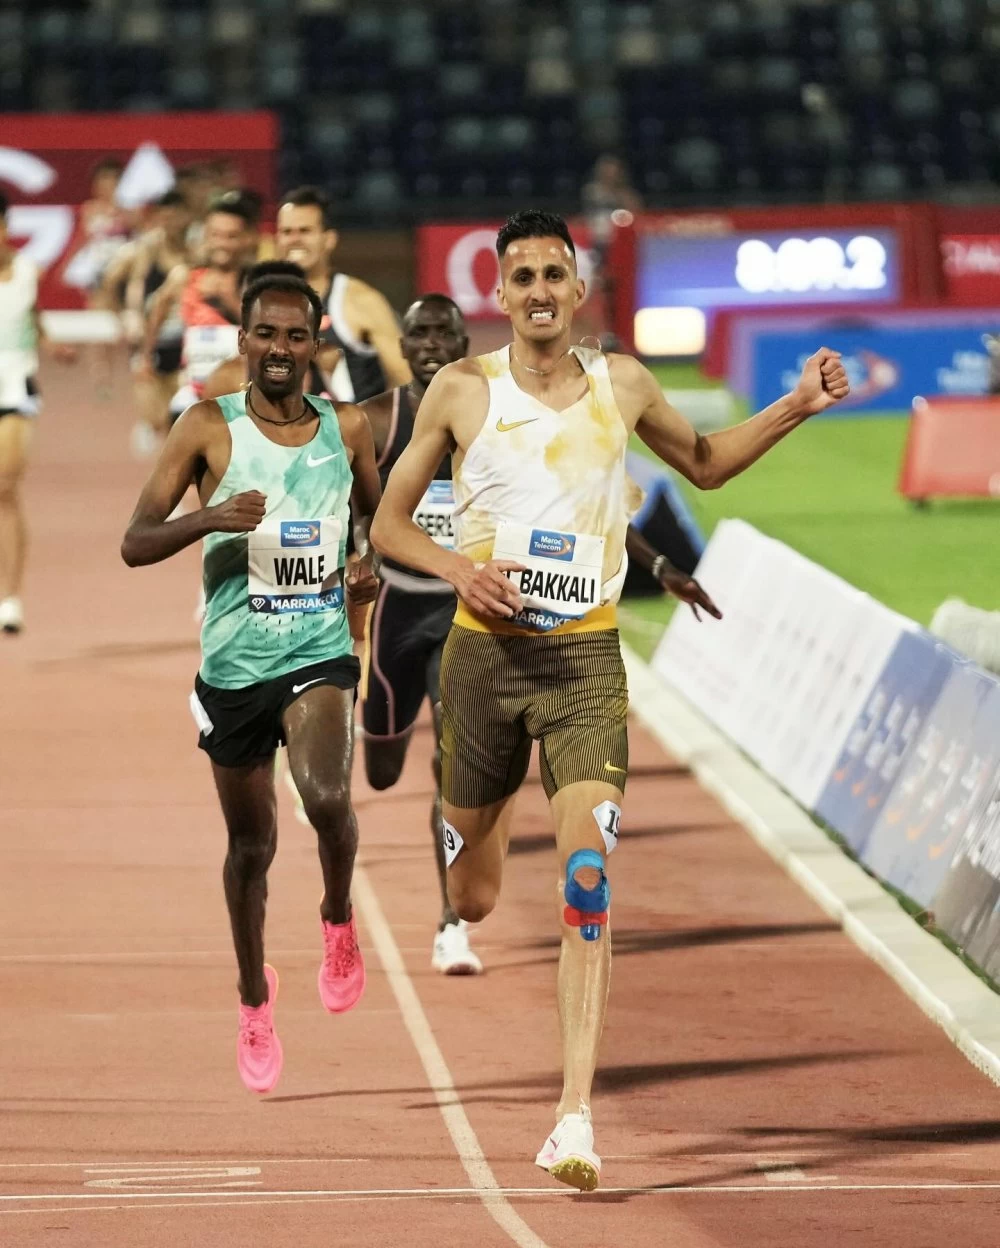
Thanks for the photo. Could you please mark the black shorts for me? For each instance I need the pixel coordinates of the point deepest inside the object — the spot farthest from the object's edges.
(243, 726)
(167, 358)
(32, 402)
(406, 636)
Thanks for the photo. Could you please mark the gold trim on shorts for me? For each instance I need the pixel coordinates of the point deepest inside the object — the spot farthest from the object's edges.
(500, 692)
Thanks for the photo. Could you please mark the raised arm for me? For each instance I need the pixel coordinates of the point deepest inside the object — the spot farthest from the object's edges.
(395, 534)
(160, 304)
(150, 536)
(709, 461)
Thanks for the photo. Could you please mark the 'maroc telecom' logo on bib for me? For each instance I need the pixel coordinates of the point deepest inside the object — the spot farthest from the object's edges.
(300, 532)
(551, 545)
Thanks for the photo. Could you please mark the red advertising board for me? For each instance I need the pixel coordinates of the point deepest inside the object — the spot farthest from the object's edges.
(461, 261)
(46, 164)
(972, 268)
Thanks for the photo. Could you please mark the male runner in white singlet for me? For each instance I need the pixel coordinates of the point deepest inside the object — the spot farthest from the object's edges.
(537, 433)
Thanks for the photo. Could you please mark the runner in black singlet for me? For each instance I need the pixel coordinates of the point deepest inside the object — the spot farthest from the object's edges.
(359, 322)
(412, 614)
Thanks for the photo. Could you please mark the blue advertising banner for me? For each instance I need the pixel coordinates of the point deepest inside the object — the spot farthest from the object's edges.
(940, 786)
(886, 728)
(967, 905)
(887, 368)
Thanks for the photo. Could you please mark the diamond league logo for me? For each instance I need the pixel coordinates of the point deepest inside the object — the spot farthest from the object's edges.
(258, 603)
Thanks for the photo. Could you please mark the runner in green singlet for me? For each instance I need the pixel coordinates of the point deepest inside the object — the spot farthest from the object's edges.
(276, 473)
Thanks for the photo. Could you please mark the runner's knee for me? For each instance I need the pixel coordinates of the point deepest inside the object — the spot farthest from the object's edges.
(250, 857)
(327, 806)
(8, 488)
(472, 899)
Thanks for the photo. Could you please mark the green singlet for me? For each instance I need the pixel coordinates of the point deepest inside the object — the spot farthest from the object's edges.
(275, 597)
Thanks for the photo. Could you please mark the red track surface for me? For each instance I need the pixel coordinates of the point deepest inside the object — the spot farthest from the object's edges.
(761, 1083)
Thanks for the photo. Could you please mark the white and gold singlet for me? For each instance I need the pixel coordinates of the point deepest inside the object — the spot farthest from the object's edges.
(547, 489)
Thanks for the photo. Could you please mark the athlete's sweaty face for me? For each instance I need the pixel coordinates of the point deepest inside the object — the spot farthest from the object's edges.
(539, 288)
(299, 236)
(433, 335)
(279, 343)
(226, 240)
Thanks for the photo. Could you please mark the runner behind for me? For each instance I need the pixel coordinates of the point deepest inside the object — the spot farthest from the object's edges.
(412, 615)
(208, 299)
(21, 334)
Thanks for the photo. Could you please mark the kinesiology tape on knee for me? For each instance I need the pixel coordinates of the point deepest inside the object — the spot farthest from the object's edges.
(453, 842)
(586, 908)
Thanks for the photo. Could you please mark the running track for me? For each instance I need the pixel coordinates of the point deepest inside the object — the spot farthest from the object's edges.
(762, 1083)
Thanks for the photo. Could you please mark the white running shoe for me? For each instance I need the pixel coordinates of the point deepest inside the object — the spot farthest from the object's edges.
(11, 615)
(452, 954)
(568, 1154)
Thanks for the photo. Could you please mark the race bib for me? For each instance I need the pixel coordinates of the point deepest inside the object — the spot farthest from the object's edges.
(562, 577)
(206, 347)
(436, 511)
(294, 565)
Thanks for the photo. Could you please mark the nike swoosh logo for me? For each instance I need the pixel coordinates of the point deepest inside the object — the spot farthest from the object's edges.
(299, 688)
(612, 767)
(315, 463)
(514, 424)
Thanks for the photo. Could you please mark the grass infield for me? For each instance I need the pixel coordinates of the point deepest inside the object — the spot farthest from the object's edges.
(829, 491)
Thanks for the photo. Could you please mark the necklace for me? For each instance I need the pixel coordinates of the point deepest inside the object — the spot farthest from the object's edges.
(540, 372)
(306, 410)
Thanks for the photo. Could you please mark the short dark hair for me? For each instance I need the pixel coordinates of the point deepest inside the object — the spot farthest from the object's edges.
(171, 199)
(286, 284)
(107, 165)
(236, 204)
(310, 197)
(441, 301)
(533, 223)
(270, 268)
(4, 205)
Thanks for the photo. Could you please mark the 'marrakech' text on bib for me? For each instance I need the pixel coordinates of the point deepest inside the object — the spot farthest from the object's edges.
(293, 566)
(562, 573)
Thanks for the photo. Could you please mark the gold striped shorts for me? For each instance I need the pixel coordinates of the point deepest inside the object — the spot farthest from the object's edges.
(498, 693)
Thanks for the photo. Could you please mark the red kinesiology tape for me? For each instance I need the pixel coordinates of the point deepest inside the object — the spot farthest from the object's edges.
(580, 918)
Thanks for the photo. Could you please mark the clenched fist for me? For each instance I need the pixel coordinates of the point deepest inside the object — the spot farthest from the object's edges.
(360, 581)
(241, 513)
(823, 382)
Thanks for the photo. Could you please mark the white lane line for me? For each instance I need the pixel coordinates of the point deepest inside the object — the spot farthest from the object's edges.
(433, 1193)
(439, 1078)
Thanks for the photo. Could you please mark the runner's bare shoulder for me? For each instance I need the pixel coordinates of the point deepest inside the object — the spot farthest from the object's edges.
(201, 423)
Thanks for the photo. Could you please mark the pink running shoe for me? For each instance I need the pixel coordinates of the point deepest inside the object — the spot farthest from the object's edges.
(342, 975)
(259, 1056)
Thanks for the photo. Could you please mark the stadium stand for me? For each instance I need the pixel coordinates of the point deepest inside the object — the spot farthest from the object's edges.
(788, 100)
